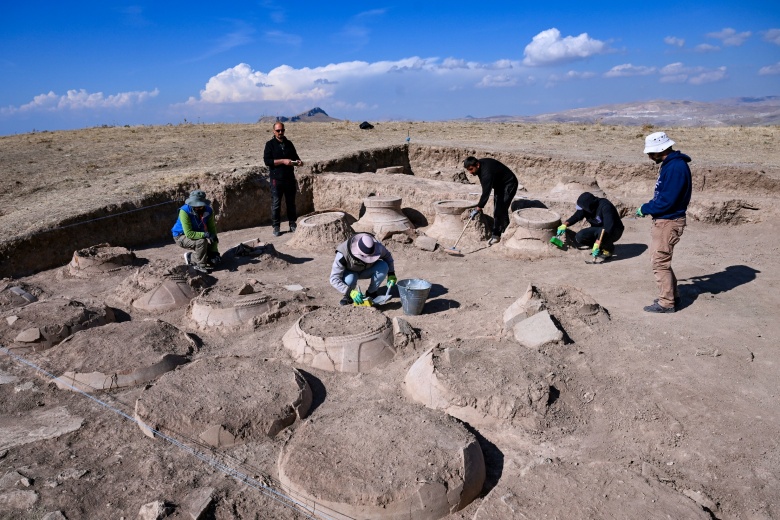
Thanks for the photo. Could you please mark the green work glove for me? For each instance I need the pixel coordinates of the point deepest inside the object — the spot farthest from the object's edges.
(561, 230)
(391, 280)
(639, 212)
(356, 296)
(596, 249)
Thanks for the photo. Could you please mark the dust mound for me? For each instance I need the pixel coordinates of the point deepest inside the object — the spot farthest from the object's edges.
(43, 324)
(345, 339)
(484, 382)
(253, 401)
(156, 288)
(555, 489)
(120, 355)
(407, 462)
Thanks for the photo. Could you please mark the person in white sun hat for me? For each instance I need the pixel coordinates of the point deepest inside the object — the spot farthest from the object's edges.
(361, 257)
(668, 206)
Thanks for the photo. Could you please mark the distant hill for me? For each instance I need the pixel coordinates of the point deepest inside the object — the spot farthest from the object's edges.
(743, 111)
(315, 115)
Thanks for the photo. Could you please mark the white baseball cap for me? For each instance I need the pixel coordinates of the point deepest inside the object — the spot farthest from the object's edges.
(657, 142)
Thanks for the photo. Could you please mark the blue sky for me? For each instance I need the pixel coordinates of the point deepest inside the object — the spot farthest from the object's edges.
(78, 64)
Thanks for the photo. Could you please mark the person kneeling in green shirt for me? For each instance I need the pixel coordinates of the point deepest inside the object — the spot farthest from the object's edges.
(196, 229)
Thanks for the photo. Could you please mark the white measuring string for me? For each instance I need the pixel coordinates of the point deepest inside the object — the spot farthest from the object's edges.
(283, 499)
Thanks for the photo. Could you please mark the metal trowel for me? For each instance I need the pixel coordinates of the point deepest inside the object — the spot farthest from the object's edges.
(381, 300)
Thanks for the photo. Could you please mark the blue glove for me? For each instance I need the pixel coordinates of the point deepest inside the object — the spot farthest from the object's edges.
(356, 296)
(639, 212)
(473, 213)
(561, 230)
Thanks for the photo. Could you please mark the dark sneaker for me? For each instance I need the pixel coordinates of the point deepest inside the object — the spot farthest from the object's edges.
(188, 258)
(293, 227)
(277, 233)
(657, 308)
(346, 300)
(201, 268)
(494, 240)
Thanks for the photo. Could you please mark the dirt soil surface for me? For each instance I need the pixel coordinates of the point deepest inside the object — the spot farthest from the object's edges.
(681, 409)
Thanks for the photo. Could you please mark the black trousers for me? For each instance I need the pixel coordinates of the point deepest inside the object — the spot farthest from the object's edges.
(588, 236)
(502, 201)
(283, 188)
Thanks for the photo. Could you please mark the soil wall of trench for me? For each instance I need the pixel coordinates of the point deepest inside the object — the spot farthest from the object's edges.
(240, 200)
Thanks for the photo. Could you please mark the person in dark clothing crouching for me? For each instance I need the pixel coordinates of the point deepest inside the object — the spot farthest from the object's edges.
(601, 214)
(493, 176)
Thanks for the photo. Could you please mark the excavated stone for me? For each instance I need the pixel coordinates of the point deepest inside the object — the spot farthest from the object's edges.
(15, 296)
(36, 425)
(198, 502)
(433, 467)
(477, 382)
(555, 489)
(41, 325)
(156, 510)
(345, 339)
(425, 243)
(255, 400)
(449, 222)
(120, 355)
(524, 307)
(403, 333)
(17, 500)
(170, 294)
(537, 330)
(391, 170)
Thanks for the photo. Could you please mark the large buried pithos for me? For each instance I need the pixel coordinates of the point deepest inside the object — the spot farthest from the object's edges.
(406, 462)
(344, 339)
(253, 401)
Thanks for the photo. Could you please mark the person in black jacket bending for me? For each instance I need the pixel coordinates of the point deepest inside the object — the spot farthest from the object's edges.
(493, 175)
(281, 158)
(600, 214)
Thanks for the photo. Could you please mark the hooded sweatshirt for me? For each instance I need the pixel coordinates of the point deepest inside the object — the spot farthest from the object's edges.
(599, 212)
(672, 189)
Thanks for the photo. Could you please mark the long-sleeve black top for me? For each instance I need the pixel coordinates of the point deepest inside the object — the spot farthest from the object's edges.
(493, 175)
(276, 149)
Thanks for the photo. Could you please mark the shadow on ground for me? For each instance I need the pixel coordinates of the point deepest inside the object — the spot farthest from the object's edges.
(731, 277)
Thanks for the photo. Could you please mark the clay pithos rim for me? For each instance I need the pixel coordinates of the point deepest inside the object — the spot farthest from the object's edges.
(451, 207)
(319, 219)
(533, 218)
(346, 338)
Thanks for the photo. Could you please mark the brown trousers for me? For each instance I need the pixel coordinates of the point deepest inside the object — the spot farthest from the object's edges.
(663, 237)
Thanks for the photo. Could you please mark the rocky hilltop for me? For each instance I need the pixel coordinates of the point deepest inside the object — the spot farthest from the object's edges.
(315, 115)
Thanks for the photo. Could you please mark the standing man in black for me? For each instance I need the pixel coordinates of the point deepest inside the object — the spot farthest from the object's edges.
(493, 175)
(281, 158)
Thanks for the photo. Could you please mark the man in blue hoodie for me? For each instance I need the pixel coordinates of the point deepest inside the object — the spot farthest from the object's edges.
(670, 202)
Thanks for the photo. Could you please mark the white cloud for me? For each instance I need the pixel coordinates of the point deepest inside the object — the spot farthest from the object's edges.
(674, 40)
(706, 47)
(548, 48)
(627, 70)
(679, 73)
(772, 36)
(82, 100)
(770, 70)
(730, 37)
(241, 84)
(500, 80)
(572, 75)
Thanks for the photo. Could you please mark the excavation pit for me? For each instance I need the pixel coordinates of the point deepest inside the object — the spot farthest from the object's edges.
(409, 462)
(120, 355)
(345, 339)
(253, 401)
(100, 260)
(477, 381)
(43, 324)
(321, 232)
(383, 217)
